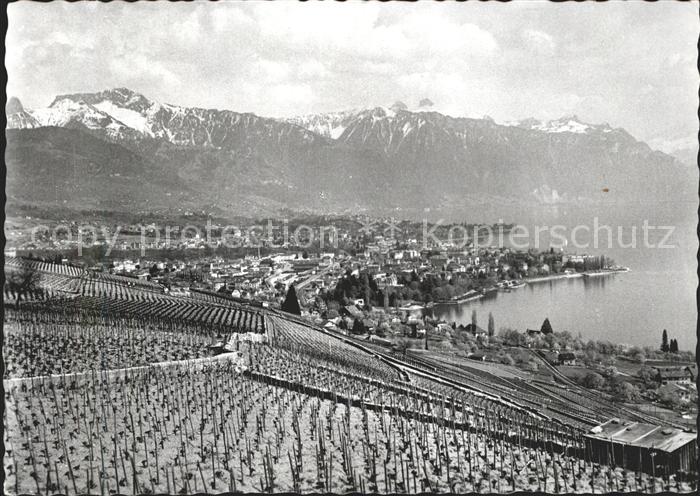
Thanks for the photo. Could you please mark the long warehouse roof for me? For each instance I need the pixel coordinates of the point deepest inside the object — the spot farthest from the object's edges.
(643, 435)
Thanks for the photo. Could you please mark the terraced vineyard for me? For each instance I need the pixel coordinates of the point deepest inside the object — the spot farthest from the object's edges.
(51, 269)
(35, 346)
(159, 431)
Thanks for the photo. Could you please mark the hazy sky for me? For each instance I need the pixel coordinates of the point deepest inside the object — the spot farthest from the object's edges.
(630, 64)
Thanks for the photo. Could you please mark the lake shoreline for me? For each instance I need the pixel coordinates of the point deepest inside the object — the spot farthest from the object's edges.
(575, 275)
(555, 277)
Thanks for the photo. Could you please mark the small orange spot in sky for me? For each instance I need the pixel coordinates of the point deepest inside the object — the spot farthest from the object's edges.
(605, 190)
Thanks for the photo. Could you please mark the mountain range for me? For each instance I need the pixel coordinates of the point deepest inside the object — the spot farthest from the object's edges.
(117, 149)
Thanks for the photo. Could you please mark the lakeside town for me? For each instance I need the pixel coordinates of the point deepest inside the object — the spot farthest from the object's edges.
(383, 289)
(398, 269)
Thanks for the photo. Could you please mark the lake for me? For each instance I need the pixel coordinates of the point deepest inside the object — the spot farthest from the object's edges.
(633, 307)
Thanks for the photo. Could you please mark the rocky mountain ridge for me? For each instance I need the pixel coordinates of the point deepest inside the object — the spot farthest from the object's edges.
(380, 157)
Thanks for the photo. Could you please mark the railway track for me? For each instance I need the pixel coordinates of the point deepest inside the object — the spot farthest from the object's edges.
(538, 399)
(504, 391)
(556, 403)
(584, 393)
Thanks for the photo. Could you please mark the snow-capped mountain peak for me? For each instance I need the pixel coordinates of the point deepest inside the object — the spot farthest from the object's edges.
(121, 114)
(69, 113)
(122, 104)
(333, 124)
(565, 124)
(121, 97)
(117, 113)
